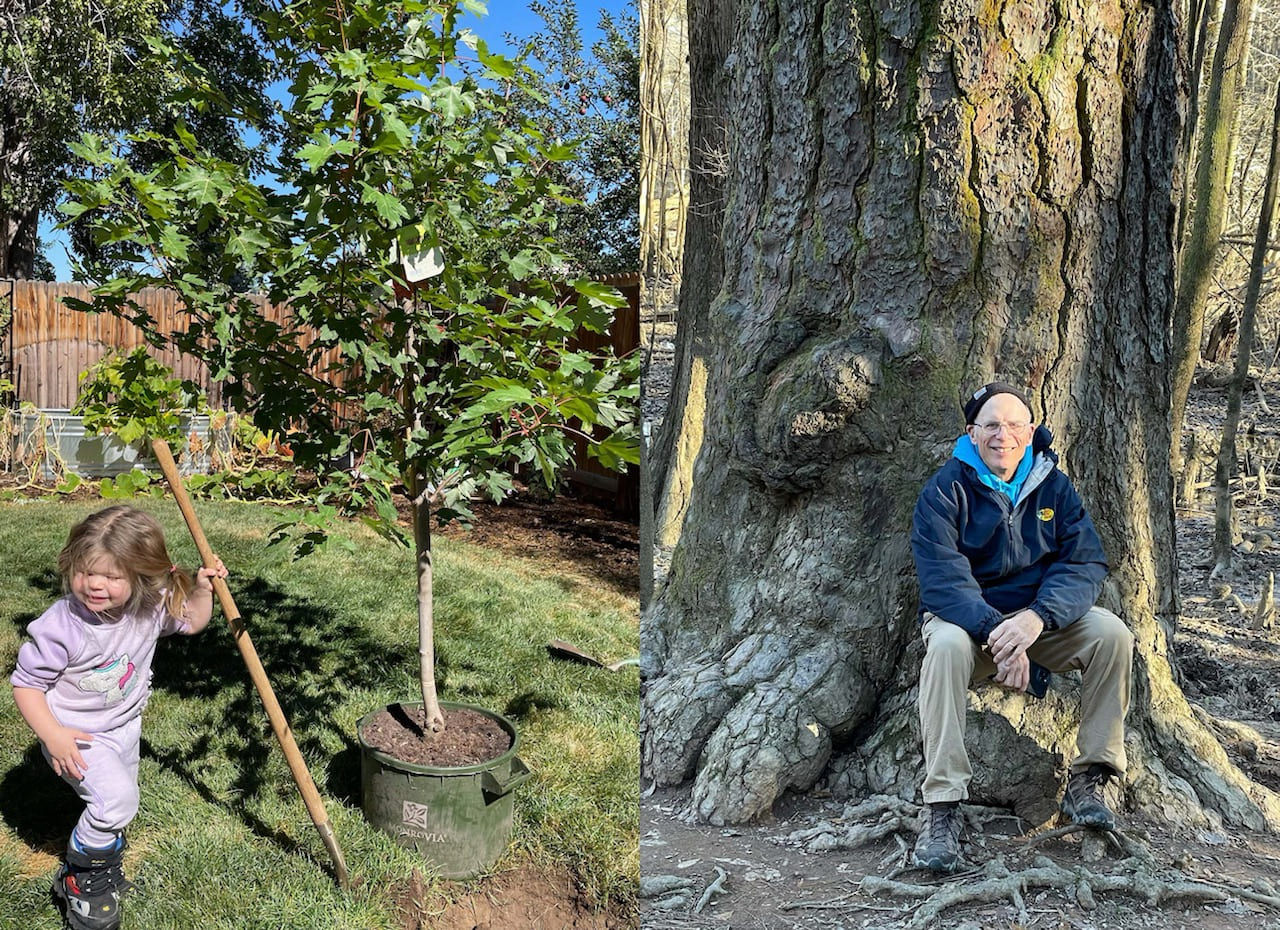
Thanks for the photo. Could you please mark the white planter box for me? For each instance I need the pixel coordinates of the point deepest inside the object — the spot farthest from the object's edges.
(58, 435)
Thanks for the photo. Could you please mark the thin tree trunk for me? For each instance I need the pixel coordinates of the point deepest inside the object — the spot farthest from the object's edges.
(420, 499)
(645, 559)
(1198, 32)
(1248, 317)
(921, 199)
(663, 156)
(1212, 186)
(19, 214)
(434, 719)
(711, 24)
(18, 235)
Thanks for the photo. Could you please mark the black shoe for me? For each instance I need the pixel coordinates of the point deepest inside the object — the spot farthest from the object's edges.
(938, 846)
(1083, 801)
(90, 884)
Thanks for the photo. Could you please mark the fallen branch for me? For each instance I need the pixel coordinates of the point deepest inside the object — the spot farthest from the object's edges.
(845, 900)
(1262, 398)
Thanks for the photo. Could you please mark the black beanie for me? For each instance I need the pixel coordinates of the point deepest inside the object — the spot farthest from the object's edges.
(985, 393)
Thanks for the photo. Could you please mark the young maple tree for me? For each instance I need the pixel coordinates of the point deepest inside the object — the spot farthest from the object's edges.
(405, 217)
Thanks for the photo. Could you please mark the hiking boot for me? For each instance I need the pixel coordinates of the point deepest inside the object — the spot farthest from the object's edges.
(90, 884)
(1083, 801)
(938, 846)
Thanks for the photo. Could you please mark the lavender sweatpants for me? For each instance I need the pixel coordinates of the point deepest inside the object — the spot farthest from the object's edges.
(109, 788)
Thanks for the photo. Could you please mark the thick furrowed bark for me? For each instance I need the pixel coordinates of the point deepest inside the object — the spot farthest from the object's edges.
(914, 207)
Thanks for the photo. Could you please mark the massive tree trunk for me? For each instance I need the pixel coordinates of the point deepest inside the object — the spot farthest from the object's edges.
(922, 196)
(711, 25)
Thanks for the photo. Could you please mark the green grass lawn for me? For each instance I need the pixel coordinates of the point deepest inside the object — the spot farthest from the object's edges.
(222, 839)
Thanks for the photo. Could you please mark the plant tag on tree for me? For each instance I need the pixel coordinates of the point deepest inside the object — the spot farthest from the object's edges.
(422, 265)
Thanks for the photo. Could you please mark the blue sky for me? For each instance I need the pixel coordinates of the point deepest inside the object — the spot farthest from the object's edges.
(505, 17)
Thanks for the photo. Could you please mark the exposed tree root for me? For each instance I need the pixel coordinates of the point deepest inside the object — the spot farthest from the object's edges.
(849, 831)
(714, 887)
(1080, 883)
(1135, 871)
(671, 891)
(1127, 844)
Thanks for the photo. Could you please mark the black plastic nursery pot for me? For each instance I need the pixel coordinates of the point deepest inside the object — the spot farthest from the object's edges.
(458, 818)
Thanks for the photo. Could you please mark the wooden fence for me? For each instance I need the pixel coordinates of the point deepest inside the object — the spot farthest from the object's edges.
(48, 345)
(51, 344)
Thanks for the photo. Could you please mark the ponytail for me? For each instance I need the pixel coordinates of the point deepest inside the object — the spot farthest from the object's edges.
(179, 588)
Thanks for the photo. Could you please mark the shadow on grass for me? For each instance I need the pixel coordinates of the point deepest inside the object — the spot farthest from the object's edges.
(315, 658)
(38, 805)
(530, 702)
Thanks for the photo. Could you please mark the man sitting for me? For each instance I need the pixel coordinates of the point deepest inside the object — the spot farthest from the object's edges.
(1009, 566)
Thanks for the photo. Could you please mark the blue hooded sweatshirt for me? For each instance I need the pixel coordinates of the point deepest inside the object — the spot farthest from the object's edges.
(981, 555)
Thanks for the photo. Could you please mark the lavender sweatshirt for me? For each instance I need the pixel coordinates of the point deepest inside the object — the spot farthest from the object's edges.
(96, 673)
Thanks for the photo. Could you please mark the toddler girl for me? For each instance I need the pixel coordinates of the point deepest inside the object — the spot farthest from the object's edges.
(82, 681)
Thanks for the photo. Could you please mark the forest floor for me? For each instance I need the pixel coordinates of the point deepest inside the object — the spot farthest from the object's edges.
(782, 874)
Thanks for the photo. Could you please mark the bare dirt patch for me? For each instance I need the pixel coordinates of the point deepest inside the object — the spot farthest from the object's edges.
(801, 869)
(522, 899)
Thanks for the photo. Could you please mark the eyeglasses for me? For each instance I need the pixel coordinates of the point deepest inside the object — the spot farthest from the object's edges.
(993, 429)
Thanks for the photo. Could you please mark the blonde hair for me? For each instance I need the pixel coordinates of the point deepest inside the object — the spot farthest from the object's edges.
(135, 542)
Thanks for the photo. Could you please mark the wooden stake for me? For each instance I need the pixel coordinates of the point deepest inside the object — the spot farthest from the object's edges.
(301, 776)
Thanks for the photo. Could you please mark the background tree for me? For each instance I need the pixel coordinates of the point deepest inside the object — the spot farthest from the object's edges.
(404, 219)
(921, 197)
(1227, 451)
(710, 32)
(592, 95)
(1214, 168)
(69, 66)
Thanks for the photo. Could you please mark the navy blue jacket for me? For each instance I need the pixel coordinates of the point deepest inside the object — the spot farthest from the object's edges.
(980, 557)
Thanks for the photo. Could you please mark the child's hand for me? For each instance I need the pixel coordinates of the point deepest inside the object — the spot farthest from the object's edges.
(65, 753)
(205, 576)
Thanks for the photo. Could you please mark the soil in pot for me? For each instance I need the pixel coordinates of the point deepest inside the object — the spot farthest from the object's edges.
(468, 737)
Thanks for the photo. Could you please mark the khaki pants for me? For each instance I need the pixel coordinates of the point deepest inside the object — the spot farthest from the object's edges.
(1099, 645)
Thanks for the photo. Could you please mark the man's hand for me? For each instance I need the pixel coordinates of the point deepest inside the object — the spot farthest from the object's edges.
(1008, 645)
(1015, 673)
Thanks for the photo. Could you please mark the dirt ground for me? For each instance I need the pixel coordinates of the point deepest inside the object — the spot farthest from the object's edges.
(523, 899)
(784, 874)
(576, 532)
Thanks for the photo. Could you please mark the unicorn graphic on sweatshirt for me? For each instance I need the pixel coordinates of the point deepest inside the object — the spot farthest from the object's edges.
(113, 680)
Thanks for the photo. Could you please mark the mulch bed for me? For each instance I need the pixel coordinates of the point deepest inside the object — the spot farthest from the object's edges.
(571, 531)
